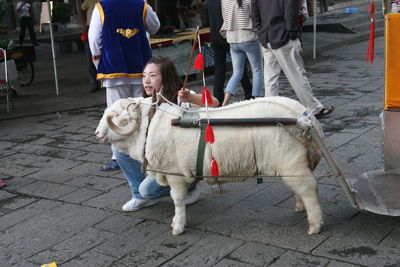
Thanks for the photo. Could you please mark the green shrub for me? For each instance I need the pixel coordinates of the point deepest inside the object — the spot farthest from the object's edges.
(4, 5)
(62, 12)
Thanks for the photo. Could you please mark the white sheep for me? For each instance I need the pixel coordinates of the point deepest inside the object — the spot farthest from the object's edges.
(240, 151)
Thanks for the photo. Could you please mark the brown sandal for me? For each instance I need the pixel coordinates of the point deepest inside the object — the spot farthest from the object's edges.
(324, 112)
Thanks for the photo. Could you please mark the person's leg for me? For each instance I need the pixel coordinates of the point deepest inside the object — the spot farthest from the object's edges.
(22, 24)
(31, 30)
(219, 47)
(246, 84)
(272, 69)
(149, 188)
(291, 61)
(94, 83)
(253, 53)
(238, 57)
(132, 171)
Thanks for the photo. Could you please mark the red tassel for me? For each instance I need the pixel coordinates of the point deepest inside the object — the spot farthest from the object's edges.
(214, 167)
(371, 44)
(199, 62)
(209, 138)
(84, 36)
(205, 94)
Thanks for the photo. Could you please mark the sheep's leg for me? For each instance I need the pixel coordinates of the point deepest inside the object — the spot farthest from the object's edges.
(179, 189)
(299, 204)
(305, 187)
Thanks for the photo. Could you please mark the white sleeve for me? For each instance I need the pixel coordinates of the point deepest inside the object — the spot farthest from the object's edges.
(185, 104)
(152, 22)
(95, 34)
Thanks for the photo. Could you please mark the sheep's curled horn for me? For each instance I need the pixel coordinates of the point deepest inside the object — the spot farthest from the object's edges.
(133, 124)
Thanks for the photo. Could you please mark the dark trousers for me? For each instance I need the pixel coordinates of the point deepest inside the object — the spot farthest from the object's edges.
(26, 22)
(220, 48)
(94, 84)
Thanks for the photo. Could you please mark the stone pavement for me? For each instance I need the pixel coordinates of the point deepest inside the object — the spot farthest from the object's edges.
(59, 207)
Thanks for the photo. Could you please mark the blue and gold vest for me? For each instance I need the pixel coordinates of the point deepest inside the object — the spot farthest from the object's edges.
(125, 47)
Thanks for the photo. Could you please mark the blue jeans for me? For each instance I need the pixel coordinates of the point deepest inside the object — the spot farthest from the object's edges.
(239, 51)
(141, 186)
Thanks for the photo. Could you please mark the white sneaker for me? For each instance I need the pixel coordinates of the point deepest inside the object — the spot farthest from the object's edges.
(136, 203)
(193, 196)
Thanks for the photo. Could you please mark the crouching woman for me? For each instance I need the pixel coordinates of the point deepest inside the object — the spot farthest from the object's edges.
(159, 73)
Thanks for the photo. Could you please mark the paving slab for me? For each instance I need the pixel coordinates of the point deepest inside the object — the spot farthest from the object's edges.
(365, 254)
(118, 223)
(89, 259)
(71, 247)
(293, 237)
(296, 259)
(159, 250)
(256, 254)
(206, 252)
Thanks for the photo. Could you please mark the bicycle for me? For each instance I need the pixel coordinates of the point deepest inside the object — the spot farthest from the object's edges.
(8, 72)
(24, 56)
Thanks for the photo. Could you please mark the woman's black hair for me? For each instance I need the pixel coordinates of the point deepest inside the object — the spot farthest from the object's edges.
(171, 82)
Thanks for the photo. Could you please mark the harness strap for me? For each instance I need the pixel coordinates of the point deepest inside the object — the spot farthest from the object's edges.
(200, 151)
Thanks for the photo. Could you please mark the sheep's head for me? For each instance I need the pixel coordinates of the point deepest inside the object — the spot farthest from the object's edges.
(119, 120)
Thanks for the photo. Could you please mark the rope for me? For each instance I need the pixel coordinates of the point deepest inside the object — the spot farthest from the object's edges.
(239, 176)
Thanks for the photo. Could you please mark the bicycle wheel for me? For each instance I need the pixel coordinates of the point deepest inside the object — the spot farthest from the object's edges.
(26, 73)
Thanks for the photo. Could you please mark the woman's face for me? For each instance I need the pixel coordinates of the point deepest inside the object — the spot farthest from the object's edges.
(152, 79)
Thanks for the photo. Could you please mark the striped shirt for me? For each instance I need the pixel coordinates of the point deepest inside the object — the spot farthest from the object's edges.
(235, 18)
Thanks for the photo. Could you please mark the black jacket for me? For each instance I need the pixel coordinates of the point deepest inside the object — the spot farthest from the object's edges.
(213, 18)
(275, 21)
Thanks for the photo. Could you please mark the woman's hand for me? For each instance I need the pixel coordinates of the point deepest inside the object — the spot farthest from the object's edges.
(185, 95)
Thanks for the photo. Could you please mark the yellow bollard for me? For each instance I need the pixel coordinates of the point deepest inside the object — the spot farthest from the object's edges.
(52, 264)
(391, 114)
(392, 62)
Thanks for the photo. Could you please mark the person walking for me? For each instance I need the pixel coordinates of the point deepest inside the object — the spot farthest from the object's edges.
(239, 33)
(25, 14)
(276, 24)
(220, 47)
(85, 13)
(120, 48)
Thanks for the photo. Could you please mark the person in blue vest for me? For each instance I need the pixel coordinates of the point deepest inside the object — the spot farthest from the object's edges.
(120, 48)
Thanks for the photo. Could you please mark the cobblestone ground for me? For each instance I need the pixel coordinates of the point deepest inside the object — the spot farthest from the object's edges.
(58, 206)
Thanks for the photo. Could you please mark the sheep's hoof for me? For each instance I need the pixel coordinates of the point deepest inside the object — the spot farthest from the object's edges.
(314, 230)
(178, 230)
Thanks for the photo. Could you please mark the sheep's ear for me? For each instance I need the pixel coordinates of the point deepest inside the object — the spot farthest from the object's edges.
(125, 103)
(134, 111)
